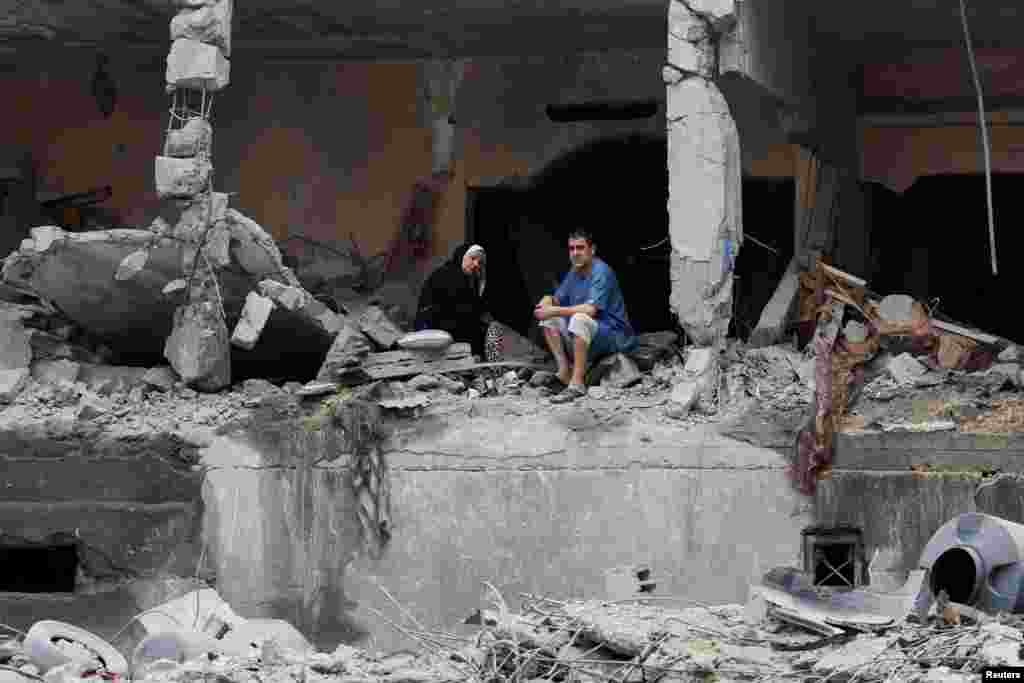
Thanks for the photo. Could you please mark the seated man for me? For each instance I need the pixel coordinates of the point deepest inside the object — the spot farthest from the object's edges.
(588, 312)
(453, 298)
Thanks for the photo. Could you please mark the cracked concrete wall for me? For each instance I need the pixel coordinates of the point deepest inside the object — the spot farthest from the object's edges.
(543, 504)
(705, 172)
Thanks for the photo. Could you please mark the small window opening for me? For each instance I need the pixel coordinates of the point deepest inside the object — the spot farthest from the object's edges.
(834, 556)
(38, 568)
(608, 110)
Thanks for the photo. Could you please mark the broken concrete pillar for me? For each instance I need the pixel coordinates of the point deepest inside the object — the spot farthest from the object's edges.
(254, 317)
(181, 178)
(196, 65)
(209, 23)
(193, 139)
(198, 348)
(705, 172)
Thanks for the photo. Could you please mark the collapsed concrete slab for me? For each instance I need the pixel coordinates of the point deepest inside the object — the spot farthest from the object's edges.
(75, 273)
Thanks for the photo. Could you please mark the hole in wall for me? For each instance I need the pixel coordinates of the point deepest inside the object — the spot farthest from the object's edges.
(38, 567)
(956, 572)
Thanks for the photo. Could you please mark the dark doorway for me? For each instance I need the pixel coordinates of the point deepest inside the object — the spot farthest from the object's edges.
(38, 568)
(493, 218)
(932, 242)
(768, 219)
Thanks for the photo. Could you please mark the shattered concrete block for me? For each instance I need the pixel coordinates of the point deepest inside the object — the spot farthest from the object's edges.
(350, 347)
(699, 377)
(181, 178)
(1011, 354)
(55, 371)
(198, 347)
(92, 406)
(905, 369)
(858, 655)
(618, 370)
(330, 321)
(193, 139)
(15, 344)
(11, 383)
(209, 23)
(196, 65)
(254, 318)
(217, 248)
(45, 235)
(287, 297)
(255, 250)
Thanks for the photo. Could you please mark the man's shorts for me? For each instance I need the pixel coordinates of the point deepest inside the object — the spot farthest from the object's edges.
(600, 341)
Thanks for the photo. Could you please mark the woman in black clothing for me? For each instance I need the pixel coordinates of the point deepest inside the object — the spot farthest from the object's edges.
(453, 298)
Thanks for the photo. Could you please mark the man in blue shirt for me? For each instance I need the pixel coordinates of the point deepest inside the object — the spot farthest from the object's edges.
(588, 312)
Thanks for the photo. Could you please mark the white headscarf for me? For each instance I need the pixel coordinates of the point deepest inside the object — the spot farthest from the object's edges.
(473, 251)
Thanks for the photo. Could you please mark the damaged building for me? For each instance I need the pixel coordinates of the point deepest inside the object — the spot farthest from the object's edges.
(217, 217)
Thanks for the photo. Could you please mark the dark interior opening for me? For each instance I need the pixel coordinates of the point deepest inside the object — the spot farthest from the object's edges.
(38, 568)
(618, 190)
(610, 110)
(955, 572)
(932, 242)
(834, 565)
(768, 219)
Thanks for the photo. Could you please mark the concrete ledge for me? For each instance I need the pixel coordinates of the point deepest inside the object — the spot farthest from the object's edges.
(901, 450)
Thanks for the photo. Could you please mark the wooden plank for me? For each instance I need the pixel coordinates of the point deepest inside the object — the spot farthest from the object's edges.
(410, 368)
(964, 332)
(843, 275)
(458, 350)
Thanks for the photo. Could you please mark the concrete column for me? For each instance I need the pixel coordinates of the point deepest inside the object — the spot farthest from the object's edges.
(705, 171)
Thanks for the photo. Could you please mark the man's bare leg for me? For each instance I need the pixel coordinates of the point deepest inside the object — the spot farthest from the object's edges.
(579, 368)
(554, 341)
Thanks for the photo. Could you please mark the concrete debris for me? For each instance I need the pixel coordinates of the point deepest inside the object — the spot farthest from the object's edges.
(700, 376)
(905, 369)
(181, 178)
(198, 347)
(193, 139)
(346, 355)
(55, 371)
(11, 383)
(855, 331)
(132, 264)
(287, 297)
(161, 377)
(210, 23)
(376, 325)
(15, 347)
(1011, 354)
(198, 66)
(424, 382)
(250, 324)
(617, 370)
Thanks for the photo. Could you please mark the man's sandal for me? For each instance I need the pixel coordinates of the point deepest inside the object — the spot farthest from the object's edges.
(571, 393)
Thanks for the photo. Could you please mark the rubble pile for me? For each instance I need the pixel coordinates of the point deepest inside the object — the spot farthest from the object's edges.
(774, 637)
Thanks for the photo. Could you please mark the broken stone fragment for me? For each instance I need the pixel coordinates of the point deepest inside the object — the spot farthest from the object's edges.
(209, 23)
(132, 264)
(905, 369)
(700, 376)
(897, 308)
(376, 324)
(1011, 354)
(92, 406)
(15, 344)
(618, 370)
(193, 139)
(424, 382)
(255, 250)
(55, 371)
(542, 378)
(287, 297)
(181, 178)
(44, 236)
(198, 66)
(349, 349)
(254, 318)
(327, 319)
(198, 348)
(216, 249)
(11, 383)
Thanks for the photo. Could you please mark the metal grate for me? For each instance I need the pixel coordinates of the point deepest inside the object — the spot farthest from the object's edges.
(834, 556)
